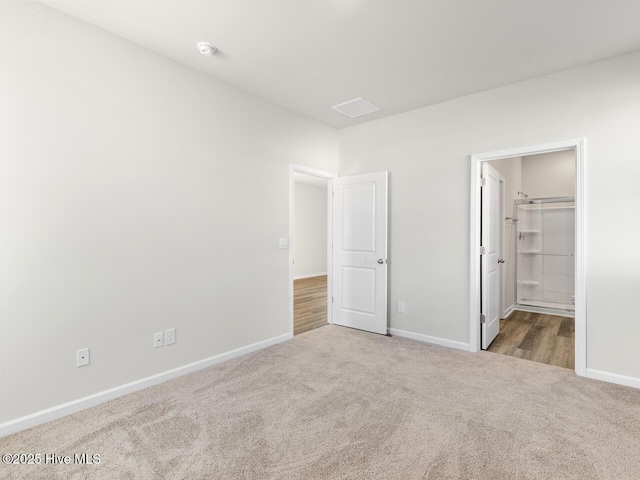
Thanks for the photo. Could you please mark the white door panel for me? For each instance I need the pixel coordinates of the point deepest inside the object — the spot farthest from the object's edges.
(359, 217)
(360, 252)
(491, 242)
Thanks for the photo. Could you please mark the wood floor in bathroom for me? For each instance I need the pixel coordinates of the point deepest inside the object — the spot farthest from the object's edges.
(538, 337)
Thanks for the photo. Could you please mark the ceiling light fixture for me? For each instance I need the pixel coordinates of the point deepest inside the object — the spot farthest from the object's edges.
(206, 48)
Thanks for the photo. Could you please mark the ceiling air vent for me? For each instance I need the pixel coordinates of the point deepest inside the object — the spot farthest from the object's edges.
(356, 108)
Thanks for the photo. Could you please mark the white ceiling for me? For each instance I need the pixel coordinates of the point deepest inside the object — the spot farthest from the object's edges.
(308, 55)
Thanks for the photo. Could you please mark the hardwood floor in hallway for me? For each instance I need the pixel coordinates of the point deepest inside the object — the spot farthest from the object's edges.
(538, 337)
(309, 304)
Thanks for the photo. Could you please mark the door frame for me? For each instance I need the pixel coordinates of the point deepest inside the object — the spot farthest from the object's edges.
(580, 253)
(294, 168)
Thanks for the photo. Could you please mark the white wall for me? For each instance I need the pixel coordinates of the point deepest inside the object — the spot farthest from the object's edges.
(309, 230)
(427, 152)
(511, 171)
(135, 195)
(549, 174)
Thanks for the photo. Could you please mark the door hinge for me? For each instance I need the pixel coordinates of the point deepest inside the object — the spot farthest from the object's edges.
(483, 250)
(483, 319)
(483, 182)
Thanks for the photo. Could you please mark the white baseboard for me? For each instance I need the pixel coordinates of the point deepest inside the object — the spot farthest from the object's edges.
(309, 275)
(613, 378)
(73, 406)
(429, 339)
(508, 311)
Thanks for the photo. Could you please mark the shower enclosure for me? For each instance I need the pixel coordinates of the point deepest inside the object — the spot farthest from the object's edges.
(545, 253)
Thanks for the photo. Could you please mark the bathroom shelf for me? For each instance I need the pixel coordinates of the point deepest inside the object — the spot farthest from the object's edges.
(530, 252)
(530, 282)
(529, 231)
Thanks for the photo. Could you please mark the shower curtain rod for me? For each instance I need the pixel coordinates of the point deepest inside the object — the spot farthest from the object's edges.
(525, 201)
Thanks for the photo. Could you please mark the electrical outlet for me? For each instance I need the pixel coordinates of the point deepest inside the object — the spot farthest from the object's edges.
(170, 336)
(400, 307)
(158, 339)
(82, 357)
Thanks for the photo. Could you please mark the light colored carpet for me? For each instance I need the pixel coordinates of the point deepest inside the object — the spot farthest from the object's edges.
(338, 403)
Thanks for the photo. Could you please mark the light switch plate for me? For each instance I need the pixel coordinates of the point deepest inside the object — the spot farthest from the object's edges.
(170, 336)
(400, 307)
(158, 339)
(284, 243)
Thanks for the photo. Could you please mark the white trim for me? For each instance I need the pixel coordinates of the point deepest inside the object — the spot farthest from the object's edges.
(429, 339)
(529, 150)
(544, 310)
(581, 262)
(293, 168)
(37, 418)
(580, 254)
(613, 378)
(309, 275)
(509, 310)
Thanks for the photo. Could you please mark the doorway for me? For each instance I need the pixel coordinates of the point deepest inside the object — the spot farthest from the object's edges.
(536, 264)
(527, 283)
(310, 259)
(356, 250)
(310, 237)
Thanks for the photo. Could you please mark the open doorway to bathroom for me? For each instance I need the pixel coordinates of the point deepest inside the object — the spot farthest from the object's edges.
(530, 268)
(537, 265)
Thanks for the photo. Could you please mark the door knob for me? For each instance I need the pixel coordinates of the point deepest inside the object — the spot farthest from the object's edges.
(501, 260)
(380, 261)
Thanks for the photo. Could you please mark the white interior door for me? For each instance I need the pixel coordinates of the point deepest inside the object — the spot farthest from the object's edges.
(360, 252)
(491, 221)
